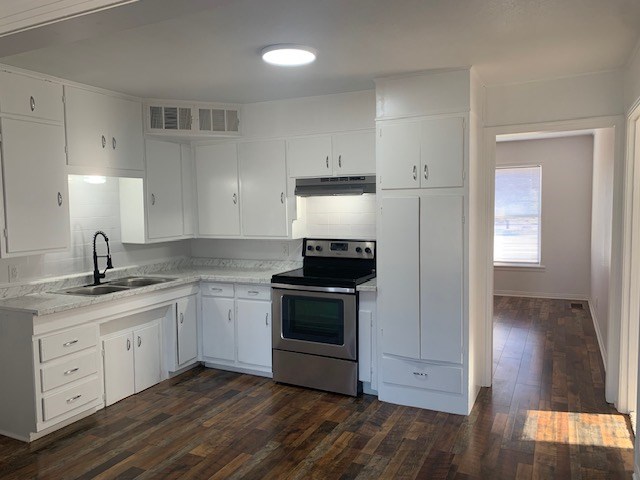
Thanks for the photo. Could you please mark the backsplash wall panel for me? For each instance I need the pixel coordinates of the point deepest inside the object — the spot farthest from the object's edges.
(351, 217)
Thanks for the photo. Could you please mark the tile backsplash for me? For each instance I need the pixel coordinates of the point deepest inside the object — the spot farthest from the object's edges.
(341, 216)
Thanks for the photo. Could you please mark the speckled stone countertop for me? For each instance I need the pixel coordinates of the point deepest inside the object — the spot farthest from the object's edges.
(370, 286)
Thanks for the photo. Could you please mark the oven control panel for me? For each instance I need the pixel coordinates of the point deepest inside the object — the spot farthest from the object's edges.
(314, 247)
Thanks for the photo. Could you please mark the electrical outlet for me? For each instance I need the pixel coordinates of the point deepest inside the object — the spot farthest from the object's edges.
(14, 273)
(285, 249)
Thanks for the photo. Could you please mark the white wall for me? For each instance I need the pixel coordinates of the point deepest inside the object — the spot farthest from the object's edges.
(601, 218)
(566, 217)
(91, 207)
(569, 98)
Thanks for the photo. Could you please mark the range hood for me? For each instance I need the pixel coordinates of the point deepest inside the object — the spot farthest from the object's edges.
(314, 187)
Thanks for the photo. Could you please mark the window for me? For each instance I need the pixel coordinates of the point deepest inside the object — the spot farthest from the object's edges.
(517, 215)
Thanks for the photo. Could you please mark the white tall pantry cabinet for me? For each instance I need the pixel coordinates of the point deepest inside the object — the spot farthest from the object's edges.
(425, 146)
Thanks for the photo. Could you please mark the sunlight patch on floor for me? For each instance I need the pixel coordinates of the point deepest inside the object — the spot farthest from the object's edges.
(574, 428)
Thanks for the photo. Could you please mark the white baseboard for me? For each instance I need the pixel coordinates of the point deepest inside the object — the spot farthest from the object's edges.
(553, 296)
(596, 326)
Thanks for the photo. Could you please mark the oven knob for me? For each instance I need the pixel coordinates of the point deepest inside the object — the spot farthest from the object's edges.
(318, 248)
(367, 250)
(358, 249)
(309, 247)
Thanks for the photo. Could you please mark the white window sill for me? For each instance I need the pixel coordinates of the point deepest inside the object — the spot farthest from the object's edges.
(519, 266)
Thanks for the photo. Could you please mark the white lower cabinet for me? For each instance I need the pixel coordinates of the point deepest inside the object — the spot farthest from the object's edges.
(187, 329)
(236, 326)
(131, 361)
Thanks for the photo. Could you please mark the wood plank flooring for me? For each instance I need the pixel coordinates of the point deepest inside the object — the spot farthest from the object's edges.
(544, 418)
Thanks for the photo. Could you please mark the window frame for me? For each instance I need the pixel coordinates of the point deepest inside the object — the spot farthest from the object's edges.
(520, 265)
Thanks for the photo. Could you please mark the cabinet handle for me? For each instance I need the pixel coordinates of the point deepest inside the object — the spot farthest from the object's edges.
(128, 344)
(153, 199)
(415, 172)
(72, 342)
(327, 161)
(113, 142)
(421, 374)
(104, 141)
(216, 289)
(139, 341)
(340, 161)
(32, 103)
(59, 199)
(229, 315)
(235, 199)
(282, 198)
(252, 292)
(426, 172)
(73, 370)
(266, 319)
(181, 317)
(73, 399)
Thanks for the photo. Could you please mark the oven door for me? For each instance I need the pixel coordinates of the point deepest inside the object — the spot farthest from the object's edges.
(315, 322)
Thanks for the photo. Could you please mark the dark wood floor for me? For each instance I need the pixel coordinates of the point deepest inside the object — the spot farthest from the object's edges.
(544, 418)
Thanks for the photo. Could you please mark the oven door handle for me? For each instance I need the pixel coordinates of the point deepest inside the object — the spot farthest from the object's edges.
(311, 288)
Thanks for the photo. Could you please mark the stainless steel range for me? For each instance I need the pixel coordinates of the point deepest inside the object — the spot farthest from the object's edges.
(315, 315)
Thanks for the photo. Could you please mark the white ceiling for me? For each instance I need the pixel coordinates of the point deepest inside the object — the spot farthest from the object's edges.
(210, 50)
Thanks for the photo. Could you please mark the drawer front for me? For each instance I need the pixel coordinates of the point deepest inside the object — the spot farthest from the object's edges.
(70, 399)
(255, 292)
(22, 95)
(54, 376)
(422, 375)
(71, 341)
(217, 289)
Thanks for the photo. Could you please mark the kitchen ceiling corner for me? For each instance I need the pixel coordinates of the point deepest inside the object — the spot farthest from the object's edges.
(209, 51)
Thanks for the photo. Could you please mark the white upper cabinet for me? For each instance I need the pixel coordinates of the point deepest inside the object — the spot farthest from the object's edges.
(350, 153)
(103, 132)
(35, 187)
(425, 154)
(188, 190)
(217, 188)
(263, 188)
(164, 189)
(31, 97)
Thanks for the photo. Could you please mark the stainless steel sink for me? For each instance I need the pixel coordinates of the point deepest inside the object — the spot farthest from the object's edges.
(114, 286)
(95, 290)
(133, 282)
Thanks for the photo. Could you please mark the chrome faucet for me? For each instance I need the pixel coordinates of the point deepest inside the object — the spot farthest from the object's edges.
(96, 273)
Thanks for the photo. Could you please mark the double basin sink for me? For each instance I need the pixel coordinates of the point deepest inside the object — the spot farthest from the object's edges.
(114, 286)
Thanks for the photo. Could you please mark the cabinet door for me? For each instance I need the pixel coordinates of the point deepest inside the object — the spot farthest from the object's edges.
(263, 184)
(218, 328)
(188, 190)
(86, 126)
(442, 152)
(354, 153)
(125, 141)
(22, 95)
(35, 186)
(254, 332)
(164, 189)
(217, 189)
(398, 150)
(119, 381)
(309, 157)
(441, 277)
(399, 276)
(147, 356)
(187, 330)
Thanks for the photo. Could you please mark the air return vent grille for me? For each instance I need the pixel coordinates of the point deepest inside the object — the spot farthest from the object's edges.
(192, 119)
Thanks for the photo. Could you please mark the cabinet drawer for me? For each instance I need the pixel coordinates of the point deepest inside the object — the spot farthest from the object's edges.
(217, 289)
(255, 292)
(68, 342)
(81, 366)
(69, 399)
(22, 95)
(422, 375)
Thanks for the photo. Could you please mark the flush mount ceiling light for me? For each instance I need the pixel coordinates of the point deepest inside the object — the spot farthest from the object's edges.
(288, 55)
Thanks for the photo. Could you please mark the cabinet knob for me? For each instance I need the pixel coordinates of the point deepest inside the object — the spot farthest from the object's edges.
(73, 399)
(421, 374)
(32, 103)
(181, 317)
(153, 199)
(415, 172)
(229, 316)
(340, 161)
(104, 141)
(282, 197)
(139, 341)
(426, 172)
(59, 199)
(113, 142)
(327, 161)
(68, 344)
(266, 319)
(128, 344)
(235, 199)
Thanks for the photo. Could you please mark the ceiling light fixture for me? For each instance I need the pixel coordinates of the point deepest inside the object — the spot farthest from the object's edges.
(288, 55)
